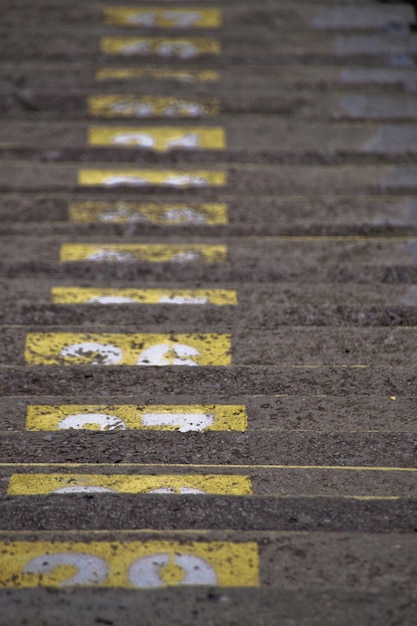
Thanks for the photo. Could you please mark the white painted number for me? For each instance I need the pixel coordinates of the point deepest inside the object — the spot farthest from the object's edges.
(179, 20)
(185, 422)
(149, 571)
(168, 354)
(92, 570)
(83, 489)
(99, 421)
(181, 49)
(94, 352)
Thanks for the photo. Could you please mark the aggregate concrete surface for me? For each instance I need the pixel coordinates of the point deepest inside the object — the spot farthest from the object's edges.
(208, 312)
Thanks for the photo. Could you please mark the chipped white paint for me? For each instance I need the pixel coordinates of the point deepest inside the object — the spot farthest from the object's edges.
(180, 49)
(111, 255)
(182, 300)
(185, 422)
(133, 181)
(135, 139)
(181, 490)
(96, 353)
(168, 354)
(185, 215)
(91, 570)
(96, 421)
(111, 300)
(186, 181)
(75, 489)
(174, 18)
(193, 570)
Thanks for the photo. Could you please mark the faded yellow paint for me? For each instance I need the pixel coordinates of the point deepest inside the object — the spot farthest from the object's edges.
(125, 105)
(127, 349)
(115, 564)
(86, 295)
(178, 179)
(158, 139)
(193, 17)
(166, 213)
(150, 252)
(165, 47)
(187, 76)
(42, 484)
(119, 417)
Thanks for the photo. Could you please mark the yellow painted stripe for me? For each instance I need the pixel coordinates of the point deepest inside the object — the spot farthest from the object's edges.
(169, 17)
(191, 484)
(179, 179)
(152, 253)
(164, 213)
(187, 76)
(127, 349)
(124, 105)
(165, 47)
(184, 418)
(87, 295)
(158, 139)
(128, 564)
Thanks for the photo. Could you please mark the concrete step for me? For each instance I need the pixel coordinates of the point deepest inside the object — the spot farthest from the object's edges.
(46, 106)
(220, 382)
(158, 345)
(253, 414)
(316, 259)
(268, 17)
(118, 215)
(387, 49)
(114, 512)
(28, 81)
(69, 451)
(49, 302)
(240, 179)
(249, 139)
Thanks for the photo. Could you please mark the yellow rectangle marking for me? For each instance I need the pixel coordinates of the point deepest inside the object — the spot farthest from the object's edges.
(164, 213)
(186, 76)
(149, 252)
(127, 349)
(87, 295)
(177, 179)
(128, 564)
(125, 105)
(182, 418)
(184, 48)
(191, 484)
(158, 139)
(194, 17)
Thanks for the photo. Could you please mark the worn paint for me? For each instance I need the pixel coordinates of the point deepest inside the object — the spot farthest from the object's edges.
(158, 139)
(186, 76)
(125, 105)
(87, 295)
(190, 484)
(177, 179)
(163, 18)
(163, 213)
(182, 418)
(149, 252)
(128, 564)
(165, 47)
(127, 349)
